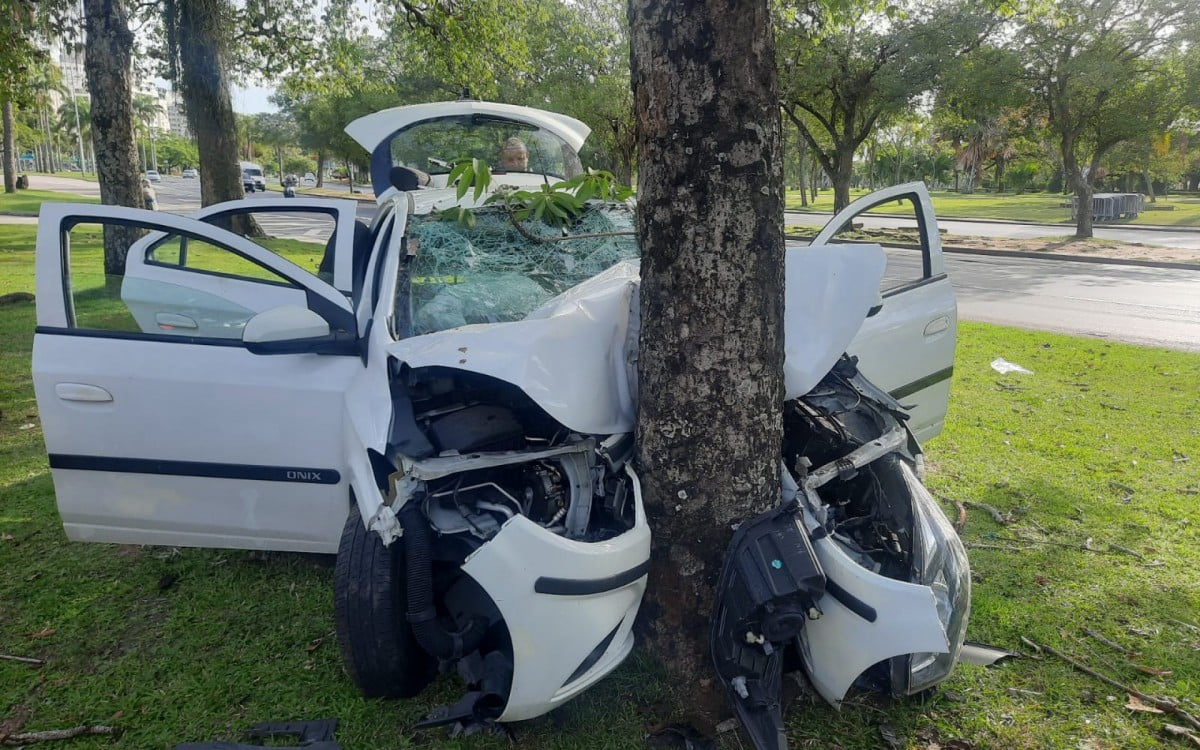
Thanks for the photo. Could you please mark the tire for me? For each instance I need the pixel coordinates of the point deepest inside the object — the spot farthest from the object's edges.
(380, 653)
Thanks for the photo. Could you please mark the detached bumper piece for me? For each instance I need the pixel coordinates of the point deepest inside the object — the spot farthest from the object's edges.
(309, 735)
(768, 590)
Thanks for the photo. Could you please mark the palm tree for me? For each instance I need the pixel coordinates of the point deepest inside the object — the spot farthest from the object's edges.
(146, 111)
(47, 80)
(72, 137)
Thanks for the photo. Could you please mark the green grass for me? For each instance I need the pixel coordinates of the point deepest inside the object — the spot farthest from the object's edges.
(1033, 207)
(29, 202)
(178, 645)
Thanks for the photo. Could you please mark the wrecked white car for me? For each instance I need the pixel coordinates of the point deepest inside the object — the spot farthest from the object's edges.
(450, 410)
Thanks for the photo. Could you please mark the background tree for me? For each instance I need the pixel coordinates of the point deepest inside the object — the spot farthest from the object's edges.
(848, 68)
(108, 58)
(19, 58)
(1104, 74)
(710, 225)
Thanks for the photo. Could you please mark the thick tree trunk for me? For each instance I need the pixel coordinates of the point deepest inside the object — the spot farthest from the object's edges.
(842, 177)
(320, 169)
(710, 223)
(205, 88)
(10, 149)
(107, 56)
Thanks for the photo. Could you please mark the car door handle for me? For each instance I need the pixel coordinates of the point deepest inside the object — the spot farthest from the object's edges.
(169, 321)
(81, 392)
(937, 325)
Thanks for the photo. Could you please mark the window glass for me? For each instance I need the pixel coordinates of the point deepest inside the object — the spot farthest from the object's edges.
(894, 225)
(187, 286)
(306, 238)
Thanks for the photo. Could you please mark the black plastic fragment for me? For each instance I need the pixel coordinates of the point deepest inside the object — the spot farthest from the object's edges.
(768, 590)
(310, 735)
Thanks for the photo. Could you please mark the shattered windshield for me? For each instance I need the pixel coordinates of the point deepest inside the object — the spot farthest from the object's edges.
(492, 273)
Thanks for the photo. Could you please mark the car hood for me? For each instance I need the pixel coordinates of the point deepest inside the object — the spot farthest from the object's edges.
(575, 356)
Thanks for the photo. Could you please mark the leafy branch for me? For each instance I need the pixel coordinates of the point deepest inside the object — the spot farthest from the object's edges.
(557, 205)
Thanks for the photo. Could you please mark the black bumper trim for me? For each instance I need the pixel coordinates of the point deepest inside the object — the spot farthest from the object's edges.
(584, 587)
(920, 385)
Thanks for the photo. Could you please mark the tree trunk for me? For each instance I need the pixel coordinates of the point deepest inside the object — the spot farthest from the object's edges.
(320, 169)
(842, 178)
(710, 224)
(10, 149)
(205, 88)
(804, 173)
(107, 56)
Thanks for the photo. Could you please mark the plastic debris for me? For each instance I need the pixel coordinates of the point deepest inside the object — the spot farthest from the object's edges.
(1003, 366)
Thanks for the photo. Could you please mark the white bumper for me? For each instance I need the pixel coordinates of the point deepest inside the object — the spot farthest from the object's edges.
(569, 605)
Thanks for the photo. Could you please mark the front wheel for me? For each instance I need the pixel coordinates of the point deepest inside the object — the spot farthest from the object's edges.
(381, 655)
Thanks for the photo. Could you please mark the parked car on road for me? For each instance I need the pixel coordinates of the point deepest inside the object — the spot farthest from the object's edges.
(153, 176)
(450, 409)
(190, 174)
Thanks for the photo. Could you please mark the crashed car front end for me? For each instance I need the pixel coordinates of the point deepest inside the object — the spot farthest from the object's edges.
(875, 590)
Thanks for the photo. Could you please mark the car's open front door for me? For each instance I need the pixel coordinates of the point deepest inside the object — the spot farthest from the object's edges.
(907, 348)
(161, 423)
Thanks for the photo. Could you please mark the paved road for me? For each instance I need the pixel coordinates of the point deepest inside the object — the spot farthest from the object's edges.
(1133, 304)
(1180, 238)
(1156, 306)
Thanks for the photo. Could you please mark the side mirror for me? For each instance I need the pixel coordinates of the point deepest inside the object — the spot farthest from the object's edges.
(293, 330)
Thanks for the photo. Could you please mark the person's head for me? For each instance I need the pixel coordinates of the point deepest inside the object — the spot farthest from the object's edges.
(145, 182)
(514, 156)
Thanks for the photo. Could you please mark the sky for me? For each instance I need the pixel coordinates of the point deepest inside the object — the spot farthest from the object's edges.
(251, 100)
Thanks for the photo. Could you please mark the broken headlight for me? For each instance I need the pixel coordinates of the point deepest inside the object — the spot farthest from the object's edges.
(939, 562)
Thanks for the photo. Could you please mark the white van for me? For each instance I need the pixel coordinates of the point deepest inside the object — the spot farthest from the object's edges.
(252, 177)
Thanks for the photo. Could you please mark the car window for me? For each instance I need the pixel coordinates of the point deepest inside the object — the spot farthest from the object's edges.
(189, 286)
(896, 225)
(306, 238)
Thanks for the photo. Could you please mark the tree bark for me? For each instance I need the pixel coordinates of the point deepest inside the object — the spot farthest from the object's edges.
(842, 176)
(205, 88)
(710, 224)
(107, 55)
(10, 148)
(320, 169)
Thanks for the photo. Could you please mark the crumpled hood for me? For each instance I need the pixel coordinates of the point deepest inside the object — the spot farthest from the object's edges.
(575, 355)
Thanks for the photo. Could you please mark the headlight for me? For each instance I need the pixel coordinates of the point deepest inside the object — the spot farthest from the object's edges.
(939, 562)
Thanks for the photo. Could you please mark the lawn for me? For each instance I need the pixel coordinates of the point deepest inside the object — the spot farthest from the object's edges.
(1182, 211)
(1092, 465)
(29, 202)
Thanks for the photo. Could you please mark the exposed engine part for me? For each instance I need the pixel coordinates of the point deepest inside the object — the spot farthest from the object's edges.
(422, 615)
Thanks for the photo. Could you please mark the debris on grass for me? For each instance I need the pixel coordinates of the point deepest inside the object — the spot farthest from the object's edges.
(46, 633)
(1003, 366)
(1003, 519)
(51, 735)
(23, 659)
(1178, 731)
(1136, 704)
(1126, 551)
(1165, 705)
(1111, 644)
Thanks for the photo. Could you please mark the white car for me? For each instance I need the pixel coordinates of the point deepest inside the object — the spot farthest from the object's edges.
(190, 174)
(450, 410)
(153, 176)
